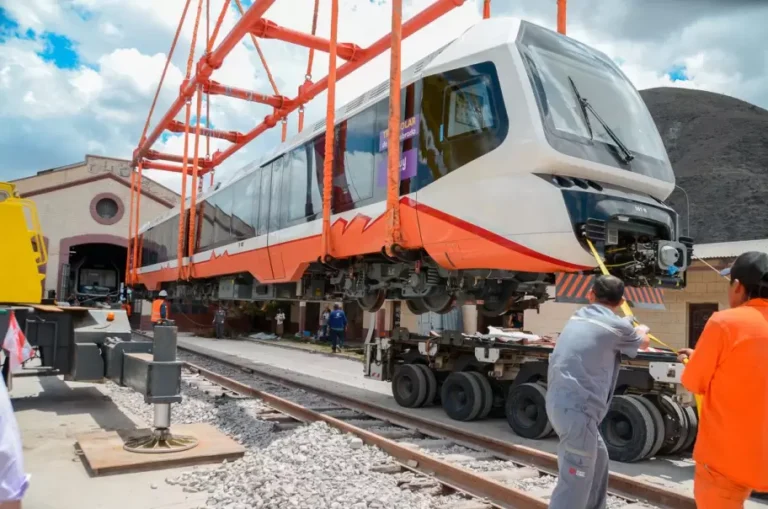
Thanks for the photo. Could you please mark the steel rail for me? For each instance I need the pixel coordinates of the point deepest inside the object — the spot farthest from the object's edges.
(465, 480)
(619, 484)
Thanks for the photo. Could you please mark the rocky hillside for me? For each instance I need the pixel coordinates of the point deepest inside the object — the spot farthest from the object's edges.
(718, 146)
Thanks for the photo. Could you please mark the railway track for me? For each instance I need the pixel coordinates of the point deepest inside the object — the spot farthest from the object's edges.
(488, 472)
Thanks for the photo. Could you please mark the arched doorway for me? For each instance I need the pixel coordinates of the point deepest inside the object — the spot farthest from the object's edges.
(92, 267)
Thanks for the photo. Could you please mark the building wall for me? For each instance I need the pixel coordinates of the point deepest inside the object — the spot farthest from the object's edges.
(65, 198)
(670, 326)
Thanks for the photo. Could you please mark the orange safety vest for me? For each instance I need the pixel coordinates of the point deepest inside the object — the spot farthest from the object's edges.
(156, 310)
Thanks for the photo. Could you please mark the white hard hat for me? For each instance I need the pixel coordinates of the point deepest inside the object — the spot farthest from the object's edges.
(163, 293)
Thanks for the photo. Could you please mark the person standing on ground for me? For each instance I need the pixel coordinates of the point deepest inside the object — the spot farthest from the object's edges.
(583, 370)
(13, 481)
(728, 368)
(324, 323)
(279, 319)
(219, 319)
(337, 323)
(160, 309)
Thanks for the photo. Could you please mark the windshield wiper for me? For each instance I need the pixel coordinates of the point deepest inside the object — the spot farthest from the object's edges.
(586, 105)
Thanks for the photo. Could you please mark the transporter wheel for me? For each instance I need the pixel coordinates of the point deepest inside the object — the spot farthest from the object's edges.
(487, 394)
(439, 303)
(692, 418)
(409, 386)
(431, 384)
(627, 430)
(658, 425)
(416, 306)
(526, 411)
(461, 396)
(373, 301)
(675, 425)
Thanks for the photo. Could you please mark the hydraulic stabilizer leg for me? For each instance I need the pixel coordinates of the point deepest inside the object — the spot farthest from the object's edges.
(159, 384)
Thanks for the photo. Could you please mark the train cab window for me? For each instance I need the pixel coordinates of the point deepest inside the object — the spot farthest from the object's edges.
(468, 108)
(244, 204)
(223, 218)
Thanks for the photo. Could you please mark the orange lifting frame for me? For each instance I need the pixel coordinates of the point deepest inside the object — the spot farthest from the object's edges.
(253, 23)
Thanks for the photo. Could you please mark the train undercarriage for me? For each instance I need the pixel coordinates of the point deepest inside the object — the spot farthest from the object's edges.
(636, 256)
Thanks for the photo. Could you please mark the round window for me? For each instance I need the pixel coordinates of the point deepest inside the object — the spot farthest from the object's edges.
(106, 208)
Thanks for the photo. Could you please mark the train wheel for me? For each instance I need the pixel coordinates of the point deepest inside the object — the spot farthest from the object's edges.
(526, 411)
(658, 425)
(416, 306)
(409, 386)
(431, 384)
(373, 301)
(692, 418)
(627, 430)
(675, 424)
(487, 392)
(461, 396)
(439, 303)
(494, 305)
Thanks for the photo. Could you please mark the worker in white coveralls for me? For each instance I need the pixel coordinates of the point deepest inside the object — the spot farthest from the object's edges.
(13, 480)
(583, 370)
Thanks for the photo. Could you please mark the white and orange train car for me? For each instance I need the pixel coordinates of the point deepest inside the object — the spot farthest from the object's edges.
(517, 144)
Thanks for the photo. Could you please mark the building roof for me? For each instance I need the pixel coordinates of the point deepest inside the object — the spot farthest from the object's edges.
(729, 249)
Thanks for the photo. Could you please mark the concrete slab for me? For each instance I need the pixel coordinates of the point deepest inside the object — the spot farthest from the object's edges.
(346, 378)
(51, 413)
(104, 453)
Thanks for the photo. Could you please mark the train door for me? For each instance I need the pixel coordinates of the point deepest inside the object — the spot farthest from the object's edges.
(262, 231)
(276, 219)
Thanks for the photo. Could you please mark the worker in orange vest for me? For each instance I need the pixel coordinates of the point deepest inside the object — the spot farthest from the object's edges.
(728, 368)
(160, 311)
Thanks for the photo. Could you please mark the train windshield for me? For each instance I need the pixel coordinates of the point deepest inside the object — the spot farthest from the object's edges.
(590, 109)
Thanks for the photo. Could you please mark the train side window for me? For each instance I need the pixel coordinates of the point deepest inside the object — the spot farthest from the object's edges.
(206, 214)
(265, 195)
(171, 236)
(468, 108)
(353, 173)
(244, 196)
(223, 221)
(299, 186)
(276, 214)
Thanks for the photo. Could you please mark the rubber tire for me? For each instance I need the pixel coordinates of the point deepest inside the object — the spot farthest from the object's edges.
(470, 409)
(692, 417)
(541, 426)
(675, 425)
(418, 393)
(643, 433)
(658, 425)
(431, 384)
(487, 391)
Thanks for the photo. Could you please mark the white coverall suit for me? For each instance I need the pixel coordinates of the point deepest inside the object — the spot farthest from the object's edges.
(583, 370)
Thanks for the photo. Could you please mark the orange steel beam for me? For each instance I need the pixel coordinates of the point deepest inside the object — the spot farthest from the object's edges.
(230, 136)
(486, 9)
(154, 165)
(136, 222)
(561, 11)
(266, 29)
(393, 160)
(307, 93)
(128, 271)
(276, 101)
(205, 68)
(154, 155)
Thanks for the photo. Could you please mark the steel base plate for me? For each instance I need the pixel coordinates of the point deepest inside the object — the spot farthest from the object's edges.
(159, 442)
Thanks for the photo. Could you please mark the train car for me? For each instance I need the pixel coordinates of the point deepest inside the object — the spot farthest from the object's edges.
(517, 145)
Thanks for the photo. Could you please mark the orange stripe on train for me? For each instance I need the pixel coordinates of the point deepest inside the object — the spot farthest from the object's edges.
(573, 288)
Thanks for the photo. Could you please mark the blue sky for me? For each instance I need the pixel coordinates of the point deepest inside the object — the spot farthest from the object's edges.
(76, 80)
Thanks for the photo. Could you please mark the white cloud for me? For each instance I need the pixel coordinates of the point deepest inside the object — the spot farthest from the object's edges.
(103, 109)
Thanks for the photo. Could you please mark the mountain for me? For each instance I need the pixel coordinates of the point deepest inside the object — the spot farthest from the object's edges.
(718, 147)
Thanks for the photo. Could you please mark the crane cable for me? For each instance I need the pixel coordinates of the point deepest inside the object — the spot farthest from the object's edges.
(628, 313)
(310, 61)
(266, 69)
